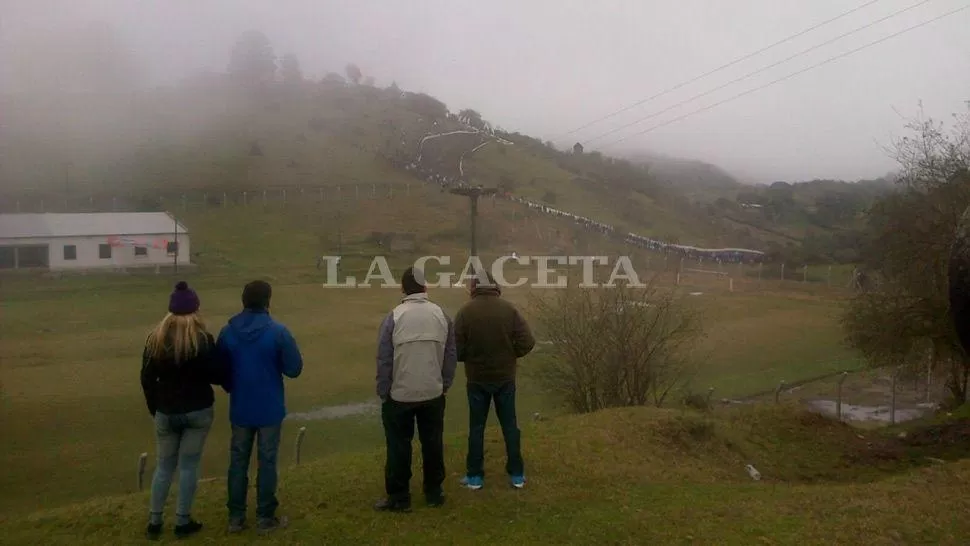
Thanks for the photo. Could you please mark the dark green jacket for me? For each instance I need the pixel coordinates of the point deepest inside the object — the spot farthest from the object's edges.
(491, 335)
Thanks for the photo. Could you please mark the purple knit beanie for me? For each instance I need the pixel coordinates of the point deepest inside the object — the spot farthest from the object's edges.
(183, 301)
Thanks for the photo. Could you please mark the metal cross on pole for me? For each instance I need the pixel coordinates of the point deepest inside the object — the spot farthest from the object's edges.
(473, 194)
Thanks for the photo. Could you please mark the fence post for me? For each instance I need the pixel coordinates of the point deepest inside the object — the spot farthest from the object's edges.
(828, 277)
(205, 200)
(783, 271)
(225, 198)
(730, 284)
(356, 191)
(710, 393)
(338, 192)
(805, 273)
(373, 190)
(299, 443)
(838, 396)
(264, 198)
(142, 461)
(892, 402)
(781, 386)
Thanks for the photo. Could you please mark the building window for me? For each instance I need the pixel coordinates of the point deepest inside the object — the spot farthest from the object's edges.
(172, 248)
(8, 257)
(104, 252)
(141, 251)
(70, 252)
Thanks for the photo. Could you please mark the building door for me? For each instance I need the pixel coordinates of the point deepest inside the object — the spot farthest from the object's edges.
(24, 257)
(33, 257)
(8, 257)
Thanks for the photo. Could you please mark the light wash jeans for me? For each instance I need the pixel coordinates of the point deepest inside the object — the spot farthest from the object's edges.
(180, 439)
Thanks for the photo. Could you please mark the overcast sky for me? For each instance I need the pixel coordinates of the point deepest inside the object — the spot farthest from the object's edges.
(545, 67)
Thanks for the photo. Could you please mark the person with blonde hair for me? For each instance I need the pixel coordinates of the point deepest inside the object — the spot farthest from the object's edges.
(180, 364)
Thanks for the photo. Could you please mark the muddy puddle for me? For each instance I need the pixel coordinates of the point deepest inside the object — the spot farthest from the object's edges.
(852, 412)
(336, 412)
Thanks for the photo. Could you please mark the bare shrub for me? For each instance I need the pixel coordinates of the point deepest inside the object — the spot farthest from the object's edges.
(614, 346)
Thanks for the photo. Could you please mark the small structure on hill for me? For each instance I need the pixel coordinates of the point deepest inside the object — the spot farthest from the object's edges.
(578, 149)
(101, 240)
(395, 242)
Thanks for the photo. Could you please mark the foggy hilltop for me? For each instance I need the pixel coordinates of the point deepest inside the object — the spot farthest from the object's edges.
(546, 68)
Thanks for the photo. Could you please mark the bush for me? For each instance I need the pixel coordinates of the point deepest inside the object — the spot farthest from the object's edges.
(615, 346)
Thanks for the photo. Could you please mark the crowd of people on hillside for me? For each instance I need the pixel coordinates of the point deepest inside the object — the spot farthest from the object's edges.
(433, 174)
(722, 255)
(418, 350)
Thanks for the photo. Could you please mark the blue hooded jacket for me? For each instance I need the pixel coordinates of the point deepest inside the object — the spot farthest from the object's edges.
(260, 351)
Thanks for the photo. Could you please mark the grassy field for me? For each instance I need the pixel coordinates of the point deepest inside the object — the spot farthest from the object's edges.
(636, 476)
(74, 416)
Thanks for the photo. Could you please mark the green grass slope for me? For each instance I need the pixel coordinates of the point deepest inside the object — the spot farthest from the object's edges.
(210, 136)
(634, 476)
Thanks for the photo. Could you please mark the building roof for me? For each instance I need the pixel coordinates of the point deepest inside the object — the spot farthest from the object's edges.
(22, 226)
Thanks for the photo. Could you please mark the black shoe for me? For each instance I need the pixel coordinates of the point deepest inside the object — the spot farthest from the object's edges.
(268, 525)
(388, 505)
(436, 501)
(237, 525)
(187, 529)
(153, 531)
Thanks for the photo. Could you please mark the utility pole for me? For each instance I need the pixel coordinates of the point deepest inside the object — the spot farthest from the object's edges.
(340, 239)
(176, 244)
(473, 194)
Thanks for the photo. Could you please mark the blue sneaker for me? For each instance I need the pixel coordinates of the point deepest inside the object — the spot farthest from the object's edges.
(518, 482)
(473, 482)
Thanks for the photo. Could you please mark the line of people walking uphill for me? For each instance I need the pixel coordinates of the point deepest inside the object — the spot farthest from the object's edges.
(418, 349)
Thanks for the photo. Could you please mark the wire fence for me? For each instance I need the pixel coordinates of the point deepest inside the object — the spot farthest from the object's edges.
(858, 393)
(314, 201)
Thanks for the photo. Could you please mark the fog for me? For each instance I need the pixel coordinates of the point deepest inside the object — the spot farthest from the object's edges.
(547, 67)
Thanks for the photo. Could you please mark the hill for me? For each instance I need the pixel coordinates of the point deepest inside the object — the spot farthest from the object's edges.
(687, 175)
(629, 476)
(210, 135)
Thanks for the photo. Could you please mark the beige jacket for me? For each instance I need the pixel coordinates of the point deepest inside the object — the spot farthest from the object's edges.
(416, 354)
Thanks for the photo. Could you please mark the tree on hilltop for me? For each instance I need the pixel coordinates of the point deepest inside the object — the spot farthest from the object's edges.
(252, 61)
(473, 118)
(353, 73)
(290, 68)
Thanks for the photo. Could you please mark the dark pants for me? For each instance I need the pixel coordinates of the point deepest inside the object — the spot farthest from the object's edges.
(480, 396)
(240, 452)
(399, 419)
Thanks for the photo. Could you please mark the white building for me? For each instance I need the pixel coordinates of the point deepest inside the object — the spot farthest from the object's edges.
(91, 240)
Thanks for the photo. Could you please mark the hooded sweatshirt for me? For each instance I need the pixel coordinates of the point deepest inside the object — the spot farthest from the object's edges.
(260, 352)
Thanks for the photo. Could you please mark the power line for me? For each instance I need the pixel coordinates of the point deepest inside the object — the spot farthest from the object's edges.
(758, 71)
(793, 74)
(722, 67)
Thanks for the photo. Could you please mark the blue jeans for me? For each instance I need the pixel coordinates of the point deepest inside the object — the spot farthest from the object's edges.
(180, 440)
(240, 451)
(480, 396)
